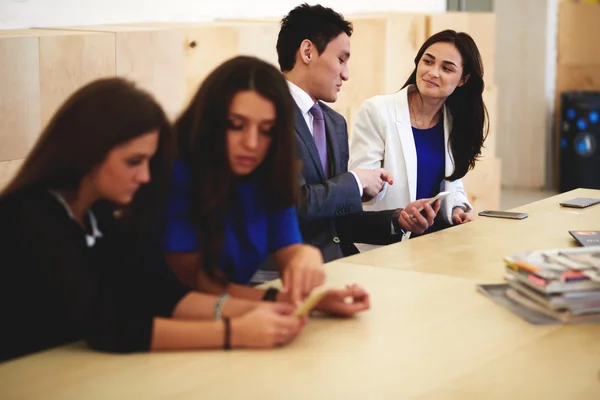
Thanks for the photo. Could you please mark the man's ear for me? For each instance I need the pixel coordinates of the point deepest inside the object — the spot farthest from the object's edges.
(464, 80)
(307, 51)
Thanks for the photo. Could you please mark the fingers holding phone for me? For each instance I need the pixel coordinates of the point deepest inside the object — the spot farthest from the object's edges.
(412, 220)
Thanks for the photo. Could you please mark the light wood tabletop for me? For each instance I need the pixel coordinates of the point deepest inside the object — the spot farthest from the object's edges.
(475, 250)
(429, 335)
(426, 336)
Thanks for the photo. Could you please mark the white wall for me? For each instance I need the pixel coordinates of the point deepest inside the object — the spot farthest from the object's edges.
(16, 14)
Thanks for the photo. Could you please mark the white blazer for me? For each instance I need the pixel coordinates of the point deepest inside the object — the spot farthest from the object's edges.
(382, 137)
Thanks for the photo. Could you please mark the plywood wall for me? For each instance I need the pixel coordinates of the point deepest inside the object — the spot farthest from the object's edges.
(40, 68)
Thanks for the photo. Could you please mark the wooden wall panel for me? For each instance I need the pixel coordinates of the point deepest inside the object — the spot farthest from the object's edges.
(20, 95)
(482, 185)
(382, 51)
(205, 48)
(171, 59)
(258, 39)
(154, 60)
(482, 28)
(490, 97)
(70, 61)
(39, 69)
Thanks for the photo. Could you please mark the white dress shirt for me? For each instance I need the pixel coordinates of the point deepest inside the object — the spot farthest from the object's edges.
(305, 103)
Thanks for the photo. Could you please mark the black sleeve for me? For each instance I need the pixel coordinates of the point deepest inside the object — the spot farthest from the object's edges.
(101, 305)
(369, 227)
(164, 289)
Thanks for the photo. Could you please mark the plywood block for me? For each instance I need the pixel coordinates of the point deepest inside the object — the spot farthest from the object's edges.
(490, 99)
(578, 77)
(70, 61)
(208, 44)
(154, 60)
(172, 59)
(257, 39)
(19, 95)
(382, 53)
(152, 57)
(578, 33)
(204, 48)
(8, 170)
(352, 116)
(482, 185)
(46, 66)
(482, 28)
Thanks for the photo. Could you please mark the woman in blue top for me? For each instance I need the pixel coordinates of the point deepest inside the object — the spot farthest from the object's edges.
(429, 134)
(232, 203)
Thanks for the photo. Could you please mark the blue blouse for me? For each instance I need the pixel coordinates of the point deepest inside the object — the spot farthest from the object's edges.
(431, 164)
(252, 231)
(431, 159)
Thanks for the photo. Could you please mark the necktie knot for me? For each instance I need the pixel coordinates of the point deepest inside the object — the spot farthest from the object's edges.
(316, 111)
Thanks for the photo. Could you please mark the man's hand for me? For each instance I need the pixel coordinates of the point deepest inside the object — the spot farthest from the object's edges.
(372, 181)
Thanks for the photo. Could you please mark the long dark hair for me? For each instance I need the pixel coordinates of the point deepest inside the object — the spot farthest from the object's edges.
(201, 138)
(90, 123)
(470, 121)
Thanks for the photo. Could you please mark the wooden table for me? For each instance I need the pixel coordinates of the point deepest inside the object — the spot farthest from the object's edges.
(475, 250)
(427, 336)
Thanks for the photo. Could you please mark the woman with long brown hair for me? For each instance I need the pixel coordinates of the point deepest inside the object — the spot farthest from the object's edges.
(235, 183)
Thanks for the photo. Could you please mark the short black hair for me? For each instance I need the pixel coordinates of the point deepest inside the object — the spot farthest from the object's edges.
(316, 23)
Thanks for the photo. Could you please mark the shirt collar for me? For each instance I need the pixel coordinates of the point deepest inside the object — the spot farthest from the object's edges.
(89, 238)
(302, 99)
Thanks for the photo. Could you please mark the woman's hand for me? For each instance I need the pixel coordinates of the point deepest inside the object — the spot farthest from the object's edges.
(345, 302)
(266, 326)
(459, 216)
(303, 270)
(414, 221)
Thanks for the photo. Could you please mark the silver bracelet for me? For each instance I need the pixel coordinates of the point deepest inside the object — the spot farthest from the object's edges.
(461, 207)
(218, 310)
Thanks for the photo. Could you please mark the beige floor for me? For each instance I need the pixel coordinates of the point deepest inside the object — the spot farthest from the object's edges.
(512, 198)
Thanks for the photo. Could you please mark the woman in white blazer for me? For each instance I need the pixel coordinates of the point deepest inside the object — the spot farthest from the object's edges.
(430, 133)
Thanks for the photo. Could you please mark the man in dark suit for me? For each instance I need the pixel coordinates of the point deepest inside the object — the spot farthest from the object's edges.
(313, 48)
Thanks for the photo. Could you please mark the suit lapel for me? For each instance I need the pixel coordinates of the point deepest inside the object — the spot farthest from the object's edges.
(407, 141)
(332, 144)
(307, 139)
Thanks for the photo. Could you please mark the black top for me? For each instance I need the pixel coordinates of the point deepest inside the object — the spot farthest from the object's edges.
(56, 288)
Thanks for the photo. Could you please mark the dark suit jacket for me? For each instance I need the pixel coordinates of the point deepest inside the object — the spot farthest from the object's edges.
(330, 210)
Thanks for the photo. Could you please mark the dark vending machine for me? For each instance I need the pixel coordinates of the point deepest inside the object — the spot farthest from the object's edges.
(579, 140)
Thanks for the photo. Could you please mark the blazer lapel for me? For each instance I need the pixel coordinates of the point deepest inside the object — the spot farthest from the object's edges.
(407, 141)
(332, 144)
(307, 139)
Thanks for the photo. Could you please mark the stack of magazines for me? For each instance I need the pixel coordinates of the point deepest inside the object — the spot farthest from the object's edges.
(551, 286)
